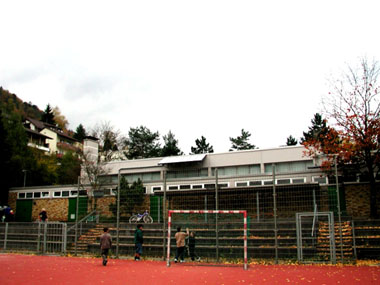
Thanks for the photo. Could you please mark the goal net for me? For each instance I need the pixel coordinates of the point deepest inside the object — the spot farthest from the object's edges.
(219, 236)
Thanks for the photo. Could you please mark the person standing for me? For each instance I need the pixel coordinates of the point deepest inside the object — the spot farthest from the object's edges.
(139, 240)
(105, 244)
(192, 253)
(43, 215)
(180, 242)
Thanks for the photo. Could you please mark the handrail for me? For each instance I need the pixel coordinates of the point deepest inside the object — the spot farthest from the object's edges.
(81, 220)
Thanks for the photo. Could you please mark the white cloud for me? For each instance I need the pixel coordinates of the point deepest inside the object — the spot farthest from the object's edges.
(197, 68)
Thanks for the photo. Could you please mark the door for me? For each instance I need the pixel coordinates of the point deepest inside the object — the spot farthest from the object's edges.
(156, 208)
(24, 210)
(82, 208)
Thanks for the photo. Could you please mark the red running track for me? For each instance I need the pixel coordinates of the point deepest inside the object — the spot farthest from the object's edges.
(31, 269)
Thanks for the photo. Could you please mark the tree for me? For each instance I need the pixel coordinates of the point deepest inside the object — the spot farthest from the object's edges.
(318, 129)
(202, 146)
(60, 119)
(132, 196)
(170, 147)
(68, 169)
(48, 115)
(354, 107)
(291, 141)
(110, 140)
(142, 143)
(241, 142)
(80, 133)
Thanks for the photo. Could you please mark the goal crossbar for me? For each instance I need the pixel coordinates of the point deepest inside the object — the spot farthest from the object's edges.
(243, 212)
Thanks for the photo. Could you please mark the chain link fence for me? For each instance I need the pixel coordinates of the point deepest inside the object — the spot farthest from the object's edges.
(288, 218)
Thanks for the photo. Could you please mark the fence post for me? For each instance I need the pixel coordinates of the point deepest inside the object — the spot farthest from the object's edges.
(275, 213)
(45, 236)
(39, 237)
(5, 236)
(354, 240)
(257, 207)
(216, 215)
(64, 237)
(118, 214)
(338, 206)
(164, 217)
(77, 217)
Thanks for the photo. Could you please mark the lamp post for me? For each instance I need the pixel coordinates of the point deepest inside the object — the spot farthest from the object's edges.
(25, 171)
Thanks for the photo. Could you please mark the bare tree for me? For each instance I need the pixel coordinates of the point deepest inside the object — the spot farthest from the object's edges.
(110, 140)
(353, 107)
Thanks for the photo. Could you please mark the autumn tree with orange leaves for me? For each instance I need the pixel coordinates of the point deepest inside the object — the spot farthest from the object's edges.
(353, 108)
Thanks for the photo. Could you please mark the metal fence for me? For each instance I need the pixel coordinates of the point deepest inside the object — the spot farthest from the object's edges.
(288, 218)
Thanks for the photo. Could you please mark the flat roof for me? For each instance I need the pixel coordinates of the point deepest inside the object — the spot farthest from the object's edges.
(182, 159)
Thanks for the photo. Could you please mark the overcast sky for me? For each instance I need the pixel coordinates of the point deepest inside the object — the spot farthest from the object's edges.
(196, 68)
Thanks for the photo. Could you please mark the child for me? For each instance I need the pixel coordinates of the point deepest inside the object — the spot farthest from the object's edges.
(192, 246)
(105, 244)
(139, 239)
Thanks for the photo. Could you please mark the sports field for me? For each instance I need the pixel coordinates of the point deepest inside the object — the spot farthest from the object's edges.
(31, 269)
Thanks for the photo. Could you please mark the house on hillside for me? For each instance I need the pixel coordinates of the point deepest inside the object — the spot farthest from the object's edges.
(50, 138)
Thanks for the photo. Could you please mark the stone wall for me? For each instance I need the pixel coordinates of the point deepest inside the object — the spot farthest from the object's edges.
(12, 198)
(57, 209)
(358, 200)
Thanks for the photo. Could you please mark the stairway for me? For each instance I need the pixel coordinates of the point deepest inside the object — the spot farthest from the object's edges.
(85, 239)
(323, 244)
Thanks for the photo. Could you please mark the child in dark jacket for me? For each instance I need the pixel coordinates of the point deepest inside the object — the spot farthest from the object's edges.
(193, 255)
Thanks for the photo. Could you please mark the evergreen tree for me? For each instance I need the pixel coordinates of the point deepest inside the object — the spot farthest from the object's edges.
(48, 115)
(170, 147)
(318, 129)
(142, 143)
(131, 196)
(80, 133)
(241, 142)
(202, 146)
(291, 141)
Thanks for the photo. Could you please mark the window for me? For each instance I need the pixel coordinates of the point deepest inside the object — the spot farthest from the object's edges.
(241, 170)
(210, 186)
(268, 182)
(45, 194)
(298, 180)
(220, 185)
(255, 183)
(37, 194)
(283, 181)
(29, 195)
(188, 174)
(173, 187)
(197, 186)
(65, 193)
(241, 184)
(320, 180)
(184, 187)
(57, 194)
(21, 195)
(74, 193)
(289, 167)
(156, 188)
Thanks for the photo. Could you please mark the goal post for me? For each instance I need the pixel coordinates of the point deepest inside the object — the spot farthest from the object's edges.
(205, 213)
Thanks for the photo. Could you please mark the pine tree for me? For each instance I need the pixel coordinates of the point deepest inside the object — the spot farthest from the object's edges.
(48, 116)
(202, 146)
(170, 147)
(241, 142)
(291, 141)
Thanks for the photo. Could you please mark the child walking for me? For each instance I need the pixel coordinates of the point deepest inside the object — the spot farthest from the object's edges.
(105, 244)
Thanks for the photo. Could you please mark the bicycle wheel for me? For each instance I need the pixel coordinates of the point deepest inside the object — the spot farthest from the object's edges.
(148, 219)
(133, 219)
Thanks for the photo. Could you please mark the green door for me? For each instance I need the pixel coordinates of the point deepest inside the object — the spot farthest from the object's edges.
(24, 210)
(156, 208)
(82, 208)
(333, 200)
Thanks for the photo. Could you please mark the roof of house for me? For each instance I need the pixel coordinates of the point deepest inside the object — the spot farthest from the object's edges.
(37, 134)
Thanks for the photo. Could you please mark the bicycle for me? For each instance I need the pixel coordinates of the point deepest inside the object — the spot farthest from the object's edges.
(145, 217)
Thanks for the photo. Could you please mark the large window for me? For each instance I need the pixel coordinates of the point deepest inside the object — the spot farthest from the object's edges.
(240, 170)
(194, 173)
(289, 167)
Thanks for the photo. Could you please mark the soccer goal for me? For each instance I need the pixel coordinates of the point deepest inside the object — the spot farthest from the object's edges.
(220, 235)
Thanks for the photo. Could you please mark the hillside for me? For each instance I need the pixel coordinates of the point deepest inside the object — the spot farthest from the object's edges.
(10, 100)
